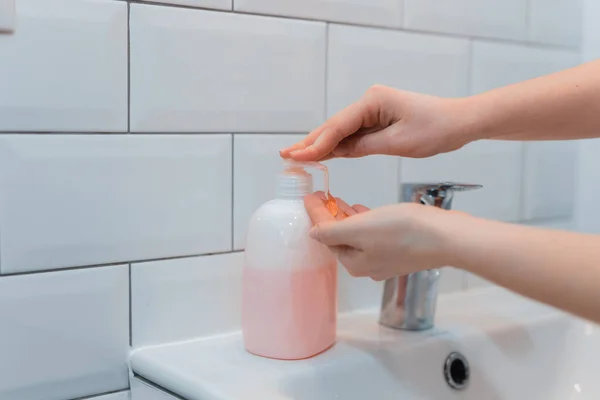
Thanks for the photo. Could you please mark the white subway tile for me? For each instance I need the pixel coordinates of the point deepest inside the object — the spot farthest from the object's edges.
(73, 200)
(214, 4)
(496, 165)
(410, 61)
(256, 163)
(367, 12)
(64, 334)
(65, 67)
(500, 64)
(452, 280)
(194, 70)
(549, 179)
(505, 19)
(371, 181)
(556, 22)
(124, 395)
(141, 390)
(185, 298)
(357, 293)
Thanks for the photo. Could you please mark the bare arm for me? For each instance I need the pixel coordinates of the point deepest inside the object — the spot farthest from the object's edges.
(564, 105)
(561, 269)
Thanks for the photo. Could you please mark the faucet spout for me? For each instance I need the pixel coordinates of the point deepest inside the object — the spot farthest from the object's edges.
(409, 301)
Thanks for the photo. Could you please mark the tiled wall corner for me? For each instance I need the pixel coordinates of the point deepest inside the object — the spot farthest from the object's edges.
(505, 19)
(549, 180)
(203, 71)
(64, 334)
(556, 22)
(50, 82)
(72, 200)
(497, 165)
(213, 4)
(364, 12)
(410, 61)
(185, 298)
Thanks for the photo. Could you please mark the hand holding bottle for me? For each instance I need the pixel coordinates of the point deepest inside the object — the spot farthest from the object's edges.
(388, 241)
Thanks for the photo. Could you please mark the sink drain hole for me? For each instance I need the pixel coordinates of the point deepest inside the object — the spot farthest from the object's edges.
(456, 371)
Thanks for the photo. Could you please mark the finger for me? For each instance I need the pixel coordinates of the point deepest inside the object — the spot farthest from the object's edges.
(359, 208)
(305, 142)
(321, 194)
(338, 127)
(353, 260)
(336, 233)
(344, 207)
(317, 211)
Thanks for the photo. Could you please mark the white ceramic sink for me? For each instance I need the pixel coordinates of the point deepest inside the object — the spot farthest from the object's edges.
(516, 349)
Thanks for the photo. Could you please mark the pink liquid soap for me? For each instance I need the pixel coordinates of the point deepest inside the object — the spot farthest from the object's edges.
(287, 313)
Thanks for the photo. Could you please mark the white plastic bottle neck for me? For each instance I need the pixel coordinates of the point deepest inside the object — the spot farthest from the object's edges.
(294, 183)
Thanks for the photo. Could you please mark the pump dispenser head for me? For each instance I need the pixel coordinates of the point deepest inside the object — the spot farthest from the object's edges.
(294, 182)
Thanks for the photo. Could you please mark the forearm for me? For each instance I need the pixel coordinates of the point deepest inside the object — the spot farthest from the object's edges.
(561, 269)
(564, 105)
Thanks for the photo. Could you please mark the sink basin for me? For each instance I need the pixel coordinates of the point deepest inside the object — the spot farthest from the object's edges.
(515, 349)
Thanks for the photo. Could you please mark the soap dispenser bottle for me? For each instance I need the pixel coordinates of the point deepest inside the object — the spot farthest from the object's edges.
(289, 305)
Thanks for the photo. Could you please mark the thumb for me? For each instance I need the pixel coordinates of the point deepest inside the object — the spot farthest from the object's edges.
(334, 233)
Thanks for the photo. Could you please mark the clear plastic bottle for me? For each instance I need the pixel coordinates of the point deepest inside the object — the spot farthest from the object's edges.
(289, 308)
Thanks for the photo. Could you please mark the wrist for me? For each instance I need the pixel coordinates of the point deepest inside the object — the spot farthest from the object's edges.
(471, 119)
(460, 239)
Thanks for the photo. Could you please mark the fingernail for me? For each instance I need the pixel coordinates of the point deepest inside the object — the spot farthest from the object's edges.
(313, 233)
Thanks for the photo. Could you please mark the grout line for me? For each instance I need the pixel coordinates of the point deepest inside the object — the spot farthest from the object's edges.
(523, 183)
(124, 262)
(157, 387)
(524, 41)
(96, 396)
(166, 132)
(128, 67)
(130, 310)
(232, 191)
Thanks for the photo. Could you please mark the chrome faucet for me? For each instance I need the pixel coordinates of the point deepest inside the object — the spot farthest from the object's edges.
(409, 301)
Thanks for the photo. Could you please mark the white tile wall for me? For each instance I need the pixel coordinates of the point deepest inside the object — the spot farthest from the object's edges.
(256, 165)
(70, 200)
(489, 18)
(65, 67)
(195, 70)
(549, 179)
(64, 334)
(142, 391)
(556, 21)
(496, 165)
(125, 395)
(422, 63)
(215, 4)
(185, 298)
(357, 293)
(500, 64)
(366, 12)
